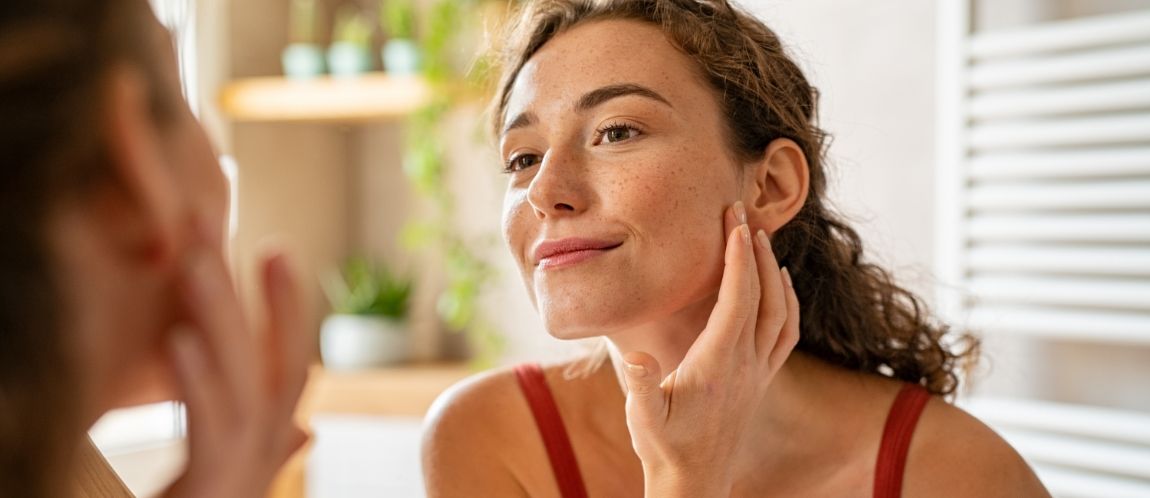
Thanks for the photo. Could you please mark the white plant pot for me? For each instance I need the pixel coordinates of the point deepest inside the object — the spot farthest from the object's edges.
(303, 61)
(349, 342)
(347, 60)
(401, 57)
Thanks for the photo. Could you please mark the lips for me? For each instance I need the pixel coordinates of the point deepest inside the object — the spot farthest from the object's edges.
(564, 252)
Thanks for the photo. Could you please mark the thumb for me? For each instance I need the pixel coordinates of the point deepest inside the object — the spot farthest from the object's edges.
(645, 398)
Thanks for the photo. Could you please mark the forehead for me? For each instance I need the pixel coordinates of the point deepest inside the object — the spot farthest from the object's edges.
(602, 53)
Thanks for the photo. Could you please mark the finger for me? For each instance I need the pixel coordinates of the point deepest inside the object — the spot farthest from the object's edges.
(734, 216)
(737, 301)
(789, 337)
(772, 312)
(289, 348)
(646, 400)
(214, 309)
(200, 386)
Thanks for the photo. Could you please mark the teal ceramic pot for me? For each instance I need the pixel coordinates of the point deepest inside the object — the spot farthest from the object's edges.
(303, 61)
(348, 59)
(401, 57)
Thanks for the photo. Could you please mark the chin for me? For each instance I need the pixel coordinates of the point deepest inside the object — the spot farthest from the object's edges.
(565, 330)
(584, 315)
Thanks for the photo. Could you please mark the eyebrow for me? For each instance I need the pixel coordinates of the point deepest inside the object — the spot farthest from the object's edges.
(523, 119)
(593, 99)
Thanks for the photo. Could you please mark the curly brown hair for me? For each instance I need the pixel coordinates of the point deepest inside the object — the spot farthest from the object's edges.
(854, 314)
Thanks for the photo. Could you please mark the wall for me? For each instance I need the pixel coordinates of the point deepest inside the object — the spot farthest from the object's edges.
(874, 64)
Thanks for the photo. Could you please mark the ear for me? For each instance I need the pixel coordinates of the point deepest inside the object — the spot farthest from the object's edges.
(142, 193)
(776, 187)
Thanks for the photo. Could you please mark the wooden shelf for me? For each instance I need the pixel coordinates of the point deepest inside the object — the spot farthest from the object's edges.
(405, 390)
(371, 97)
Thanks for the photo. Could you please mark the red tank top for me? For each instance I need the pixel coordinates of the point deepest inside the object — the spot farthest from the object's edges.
(900, 424)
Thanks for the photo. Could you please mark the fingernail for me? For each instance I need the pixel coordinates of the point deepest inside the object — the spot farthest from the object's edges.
(787, 278)
(741, 213)
(637, 370)
(764, 241)
(745, 231)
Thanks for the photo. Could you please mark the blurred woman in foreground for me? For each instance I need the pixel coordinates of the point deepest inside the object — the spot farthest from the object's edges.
(113, 284)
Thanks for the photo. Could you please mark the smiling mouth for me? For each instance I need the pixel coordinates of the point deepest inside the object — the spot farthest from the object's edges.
(556, 256)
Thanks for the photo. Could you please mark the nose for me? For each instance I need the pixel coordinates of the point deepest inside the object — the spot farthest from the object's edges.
(559, 187)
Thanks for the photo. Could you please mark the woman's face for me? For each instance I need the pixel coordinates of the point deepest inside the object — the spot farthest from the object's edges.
(619, 175)
(188, 151)
(132, 351)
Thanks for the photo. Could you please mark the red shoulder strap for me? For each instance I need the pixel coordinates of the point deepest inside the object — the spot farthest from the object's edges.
(550, 423)
(896, 436)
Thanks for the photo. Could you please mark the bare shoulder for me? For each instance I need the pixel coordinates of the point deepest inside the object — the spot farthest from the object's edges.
(469, 437)
(953, 454)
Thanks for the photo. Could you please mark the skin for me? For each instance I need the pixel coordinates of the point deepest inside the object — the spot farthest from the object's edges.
(151, 240)
(693, 311)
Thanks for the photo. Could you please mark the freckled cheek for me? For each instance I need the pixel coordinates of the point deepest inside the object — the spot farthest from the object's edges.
(517, 225)
(672, 206)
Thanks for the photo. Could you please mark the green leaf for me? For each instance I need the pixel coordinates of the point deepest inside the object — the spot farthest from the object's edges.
(398, 18)
(418, 235)
(363, 288)
(352, 26)
(303, 20)
(425, 165)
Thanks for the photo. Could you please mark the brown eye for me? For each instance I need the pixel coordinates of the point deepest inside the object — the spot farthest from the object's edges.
(618, 133)
(521, 162)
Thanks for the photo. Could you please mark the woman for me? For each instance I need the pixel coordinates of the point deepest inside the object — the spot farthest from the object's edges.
(647, 142)
(114, 284)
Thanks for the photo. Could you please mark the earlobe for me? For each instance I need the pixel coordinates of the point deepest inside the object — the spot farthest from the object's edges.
(781, 184)
(148, 207)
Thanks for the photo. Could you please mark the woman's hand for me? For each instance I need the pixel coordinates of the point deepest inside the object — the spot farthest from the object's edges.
(688, 427)
(240, 387)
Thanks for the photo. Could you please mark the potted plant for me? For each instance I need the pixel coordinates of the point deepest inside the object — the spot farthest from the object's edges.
(303, 58)
(401, 53)
(350, 51)
(369, 308)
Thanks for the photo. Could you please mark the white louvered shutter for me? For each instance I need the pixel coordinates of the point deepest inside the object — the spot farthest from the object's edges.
(1044, 221)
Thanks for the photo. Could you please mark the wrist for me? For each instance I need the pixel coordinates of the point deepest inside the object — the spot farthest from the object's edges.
(666, 481)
